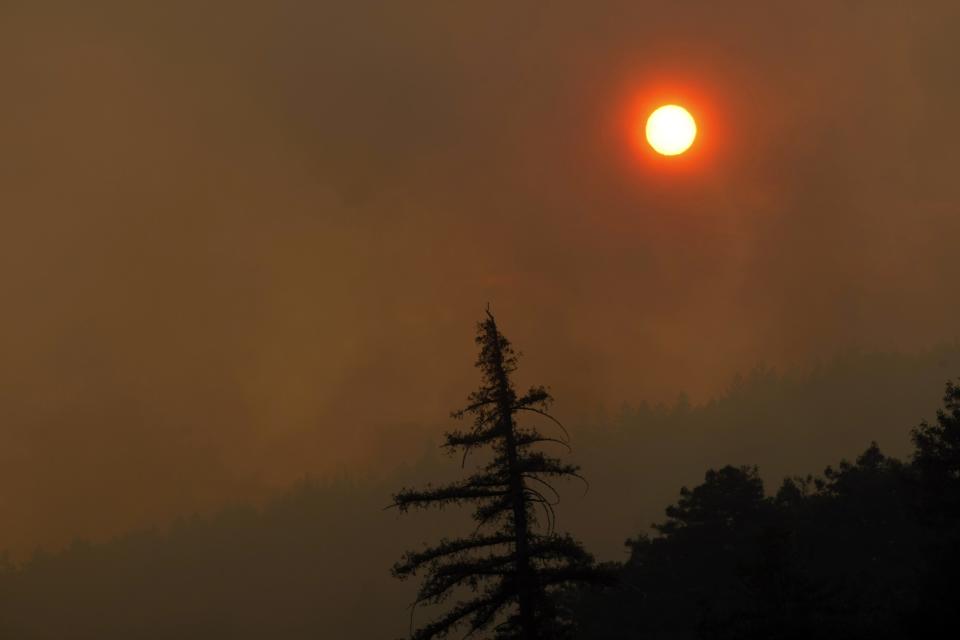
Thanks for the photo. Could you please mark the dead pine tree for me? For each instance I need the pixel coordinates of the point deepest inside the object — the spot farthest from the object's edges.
(505, 575)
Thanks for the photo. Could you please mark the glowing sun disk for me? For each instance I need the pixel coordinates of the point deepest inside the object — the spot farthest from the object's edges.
(671, 130)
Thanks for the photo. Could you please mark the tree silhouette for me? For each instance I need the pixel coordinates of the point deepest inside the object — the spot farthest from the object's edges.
(937, 458)
(937, 461)
(834, 556)
(509, 569)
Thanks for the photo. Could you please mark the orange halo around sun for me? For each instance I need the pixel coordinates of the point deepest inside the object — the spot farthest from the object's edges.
(670, 130)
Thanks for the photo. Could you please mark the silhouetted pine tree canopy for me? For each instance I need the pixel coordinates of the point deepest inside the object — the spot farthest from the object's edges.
(511, 567)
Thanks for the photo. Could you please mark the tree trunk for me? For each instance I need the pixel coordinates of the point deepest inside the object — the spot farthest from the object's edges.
(526, 590)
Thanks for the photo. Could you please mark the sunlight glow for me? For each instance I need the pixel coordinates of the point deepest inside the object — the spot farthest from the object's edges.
(671, 130)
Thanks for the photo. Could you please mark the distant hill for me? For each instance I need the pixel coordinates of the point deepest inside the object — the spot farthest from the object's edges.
(314, 562)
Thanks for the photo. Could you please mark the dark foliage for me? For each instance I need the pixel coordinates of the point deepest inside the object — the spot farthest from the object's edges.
(867, 550)
(313, 567)
(515, 562)
(937, 463)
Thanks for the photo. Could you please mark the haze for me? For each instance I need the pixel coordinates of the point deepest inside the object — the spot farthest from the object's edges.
(247, 241)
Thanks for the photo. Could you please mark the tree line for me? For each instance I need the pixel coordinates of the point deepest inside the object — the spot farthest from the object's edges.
(868, 549)
(864, 549)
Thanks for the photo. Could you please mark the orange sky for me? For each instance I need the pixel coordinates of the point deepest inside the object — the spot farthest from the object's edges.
(245, 240)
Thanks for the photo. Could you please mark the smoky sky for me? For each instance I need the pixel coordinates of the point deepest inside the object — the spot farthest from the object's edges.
(243, 241)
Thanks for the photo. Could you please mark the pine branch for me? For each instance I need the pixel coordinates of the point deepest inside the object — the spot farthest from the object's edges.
(548, 416)
(536, 396)
(559, 547)
(446, 577)
(474, 438)
(413, 561)
(556, 494)
(453, 494)
(528, 437)
(488, 512)
(535, 462)
(483, 608)
(535, 496)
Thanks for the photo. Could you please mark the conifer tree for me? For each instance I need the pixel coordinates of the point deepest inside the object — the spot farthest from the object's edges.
(505, 576)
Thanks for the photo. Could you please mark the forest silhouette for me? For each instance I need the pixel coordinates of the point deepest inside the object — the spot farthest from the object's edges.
(863, 549)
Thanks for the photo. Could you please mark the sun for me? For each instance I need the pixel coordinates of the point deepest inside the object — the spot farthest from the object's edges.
(671, 130)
